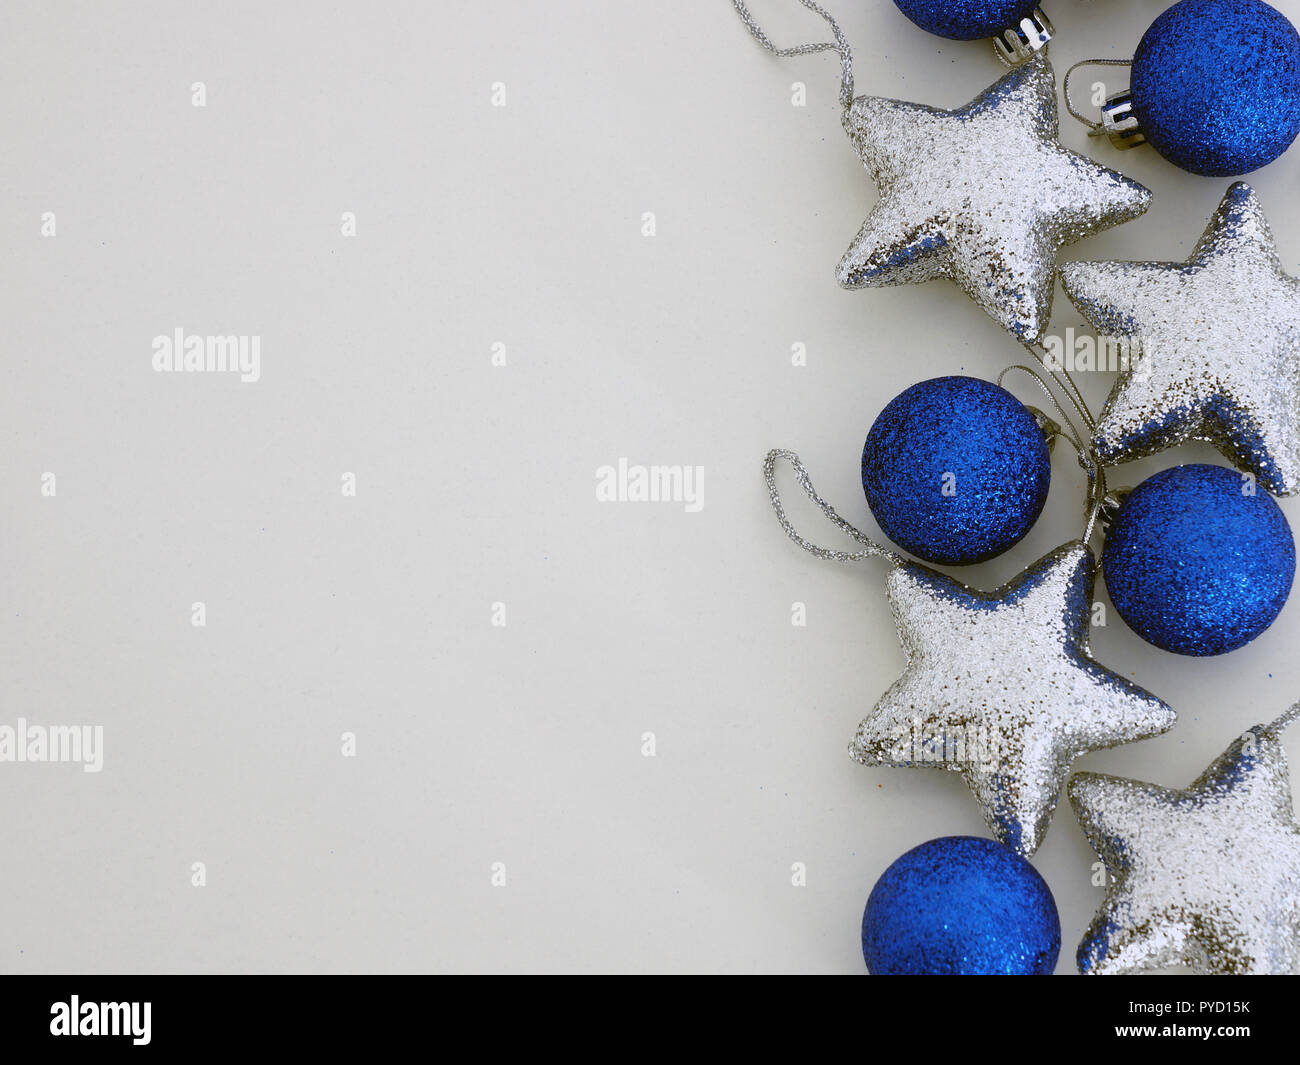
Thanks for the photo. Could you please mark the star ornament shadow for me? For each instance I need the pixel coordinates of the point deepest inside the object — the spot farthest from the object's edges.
(1219, 343)
(1207, 877)
(1001, 687)
(984, 196)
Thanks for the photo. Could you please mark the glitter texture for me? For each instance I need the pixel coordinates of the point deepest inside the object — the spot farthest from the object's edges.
(955, 470)
(984, 196)
(1194, 564)
(1001, 687)
(1216, 85)
(1219, 339)
(961, 906)
(966, 20)
(1208, 877)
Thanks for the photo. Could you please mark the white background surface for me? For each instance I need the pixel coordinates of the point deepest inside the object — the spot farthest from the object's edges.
(476, 484)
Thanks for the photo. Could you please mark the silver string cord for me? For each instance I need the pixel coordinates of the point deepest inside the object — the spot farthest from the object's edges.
(1096, 495)
(1096, 498)
(1097, 492)
(1095, 128)
(1062, 377)
(1073, 435)
(840, 46)
(872, 549)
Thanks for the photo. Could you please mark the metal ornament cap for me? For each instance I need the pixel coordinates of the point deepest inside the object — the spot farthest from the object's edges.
(985, 196)
(1021, 42)
(1120, 122)
(1111, 504)
(1207, 877)
(1001, 687)
(1219, 340)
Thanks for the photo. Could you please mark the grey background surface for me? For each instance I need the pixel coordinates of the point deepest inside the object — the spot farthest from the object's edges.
(476, 744)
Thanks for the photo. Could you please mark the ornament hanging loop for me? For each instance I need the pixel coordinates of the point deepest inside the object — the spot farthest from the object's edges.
(1050, 429)
(1117, 119)
(872, 549)
(840, 46)
(1095, 495)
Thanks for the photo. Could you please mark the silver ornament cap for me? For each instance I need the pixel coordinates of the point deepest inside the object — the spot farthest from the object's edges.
(1018, 43)
(1120, 122)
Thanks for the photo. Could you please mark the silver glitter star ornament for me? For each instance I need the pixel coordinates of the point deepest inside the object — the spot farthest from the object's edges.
(1001, 687)
(985, 196)
(1207, 877)
(1217, 340)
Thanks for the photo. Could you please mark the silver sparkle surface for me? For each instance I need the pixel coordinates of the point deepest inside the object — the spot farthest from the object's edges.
(1219, 347)
(985, 196)
(1208, 877)
(1001, 687)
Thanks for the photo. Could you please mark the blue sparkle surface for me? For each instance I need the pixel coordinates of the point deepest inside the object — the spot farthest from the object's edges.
(966, 20)
(1195, 564)
(964, 906)
(1216, 85)
(955, 470)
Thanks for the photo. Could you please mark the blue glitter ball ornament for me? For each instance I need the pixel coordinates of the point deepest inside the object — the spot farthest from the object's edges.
(966, 20)
(1198, 561)
(955, 470)
(1216, 85)
(961, 906)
